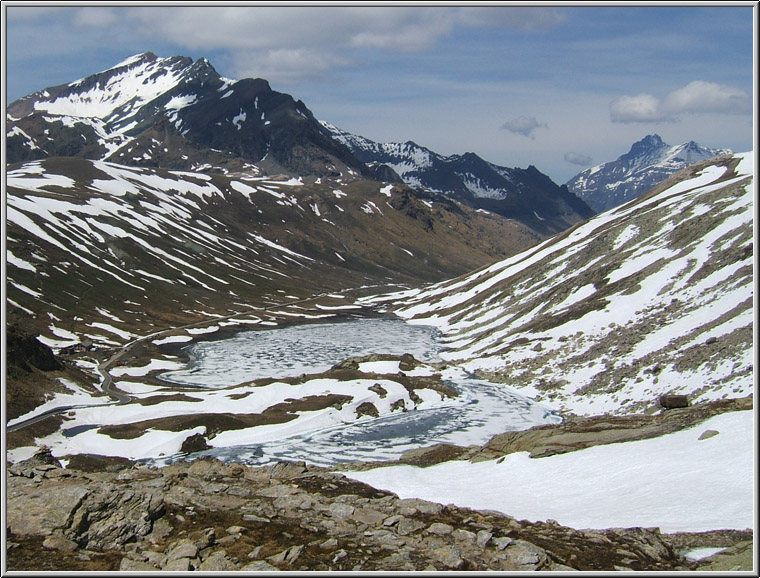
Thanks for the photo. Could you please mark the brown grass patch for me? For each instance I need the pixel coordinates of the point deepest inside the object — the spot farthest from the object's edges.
(156, 399)
(219, 422)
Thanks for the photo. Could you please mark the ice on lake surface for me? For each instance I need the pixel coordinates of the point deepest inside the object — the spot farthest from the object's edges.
(299, 349)
(481, 410)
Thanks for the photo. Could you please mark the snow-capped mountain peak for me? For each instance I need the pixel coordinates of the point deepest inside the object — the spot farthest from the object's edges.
(648, 163)
(116, 91)
(175, 113)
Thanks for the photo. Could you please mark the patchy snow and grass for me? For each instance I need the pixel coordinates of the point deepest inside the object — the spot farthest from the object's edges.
(582, 319)
(76, 396)
(154, 365)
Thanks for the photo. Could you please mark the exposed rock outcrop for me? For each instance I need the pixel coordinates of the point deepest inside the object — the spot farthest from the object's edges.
(582, 432)
(210, 516)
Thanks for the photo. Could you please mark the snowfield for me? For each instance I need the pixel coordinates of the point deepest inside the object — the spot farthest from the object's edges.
(676, 482)
(81, 434)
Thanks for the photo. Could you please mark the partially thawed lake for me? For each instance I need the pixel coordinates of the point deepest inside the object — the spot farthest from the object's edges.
(481, 410)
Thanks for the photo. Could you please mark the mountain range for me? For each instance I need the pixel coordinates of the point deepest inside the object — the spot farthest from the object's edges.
(649, 162)
(526, 195)
(176, 113)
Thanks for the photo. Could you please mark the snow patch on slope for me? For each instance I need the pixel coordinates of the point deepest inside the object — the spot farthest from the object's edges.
(620, 310)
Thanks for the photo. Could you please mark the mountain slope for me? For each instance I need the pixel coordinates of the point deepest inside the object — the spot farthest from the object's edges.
(651, 298)
(104, 251)
(649, 162)
(523, 194)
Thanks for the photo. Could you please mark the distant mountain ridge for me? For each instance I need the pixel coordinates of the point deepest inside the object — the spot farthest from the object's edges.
(649, 162)
(524, 194)
(176, 113)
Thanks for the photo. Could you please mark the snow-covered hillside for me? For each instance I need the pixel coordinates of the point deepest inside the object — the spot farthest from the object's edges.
(153, 247)
(651, 298)
(646, 483)
(649, 162)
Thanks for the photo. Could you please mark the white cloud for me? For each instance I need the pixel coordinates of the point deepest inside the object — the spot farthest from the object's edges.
(578, 159)
(701, 96)
(525, 18)
(638, 108)
(297, 27)
(696, 97)
(32, 13)
(286, 65)
(288, 42)
(397, 28)
(524, 125)
(400, 29)
(95, 17)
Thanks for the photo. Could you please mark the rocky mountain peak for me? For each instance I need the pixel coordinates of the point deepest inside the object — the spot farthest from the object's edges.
(176, 113)
(648, 142)
(648, 162)
(203, 69)
(136, 60)
(649, 147)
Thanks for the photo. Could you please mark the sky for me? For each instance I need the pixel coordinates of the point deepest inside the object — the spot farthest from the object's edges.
(561, 87)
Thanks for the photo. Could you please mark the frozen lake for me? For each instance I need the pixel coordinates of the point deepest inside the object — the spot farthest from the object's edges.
(292, 351)
(481, 410)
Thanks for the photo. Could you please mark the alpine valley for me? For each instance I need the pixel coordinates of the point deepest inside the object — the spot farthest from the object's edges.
(241, 338)
(158, 193)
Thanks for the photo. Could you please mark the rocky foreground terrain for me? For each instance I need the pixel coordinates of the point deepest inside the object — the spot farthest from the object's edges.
(109, 514)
